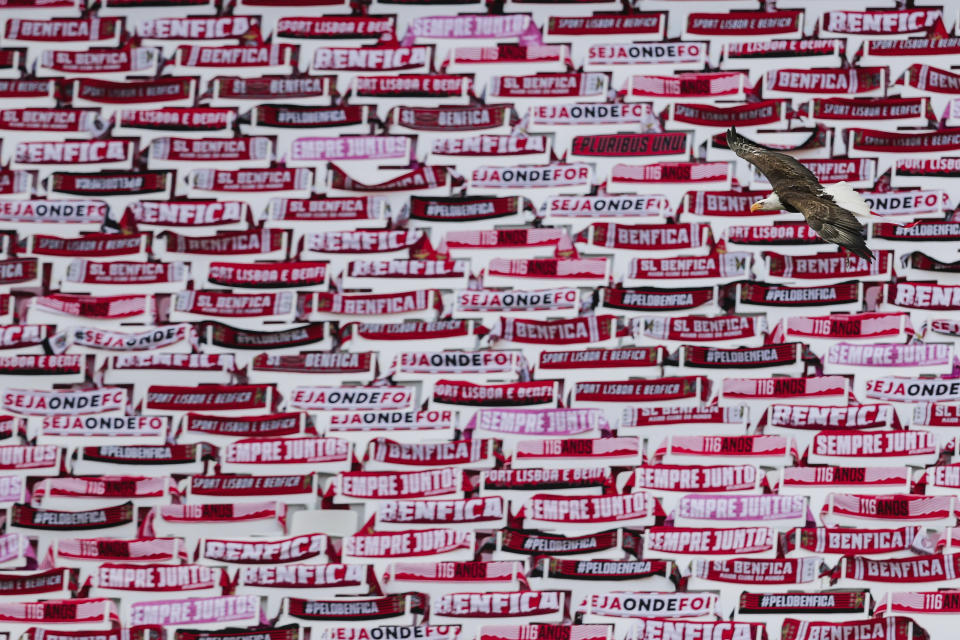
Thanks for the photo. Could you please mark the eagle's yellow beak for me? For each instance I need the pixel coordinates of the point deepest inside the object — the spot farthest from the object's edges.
(756, 206)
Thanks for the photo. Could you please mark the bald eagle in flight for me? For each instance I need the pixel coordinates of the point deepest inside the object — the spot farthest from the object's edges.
(831, 211)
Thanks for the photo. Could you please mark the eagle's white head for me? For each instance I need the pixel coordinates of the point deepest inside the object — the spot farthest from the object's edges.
(770, 203)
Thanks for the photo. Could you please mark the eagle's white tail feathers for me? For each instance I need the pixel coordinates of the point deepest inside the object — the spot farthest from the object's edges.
(844, 195)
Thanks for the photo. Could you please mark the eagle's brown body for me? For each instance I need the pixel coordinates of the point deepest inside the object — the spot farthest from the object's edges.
(799, 190)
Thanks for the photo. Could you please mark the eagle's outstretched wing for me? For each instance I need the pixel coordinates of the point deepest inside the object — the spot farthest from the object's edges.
(781, 170)
(799, 189)
(832, 222)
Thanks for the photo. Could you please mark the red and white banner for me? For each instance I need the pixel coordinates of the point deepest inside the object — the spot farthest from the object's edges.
(888, 628)
(351, 398)
(188, 577)
(575, 449)
(156, 338)
(377, 304)
(195, 28)
(647, 237)
(361, 241)
(771, 295)
(208, 397)
(359, 208)
(932, 167)
(63, 30)
(925, 568)
(863, 416)
(47, 403)
(699, 328)
(475, 511)
(648, 416)
(79, 611)
(73, 152)
(66, 120)
(549, 422)
(779, 233)
(522, 177)
(108, 549)
(470, 26)
(393, 420)
(758, 571)
(22, 515)
(717, 265)
(670, 172)
(743, 508)
(749, 115)
(294, 549)
(220, 609)
(272, 88)
(665, 628)
(656, 299)
(488, 145)
(370, 58)
(401, 484)
(234, 513)
(534, 544)
(817, 81)
(210, 150)
(755, 445)
(593, 114)
(251, 485)
(647, 52)
(334, 27)
(251, 180)
(854, 541)
(642, 390)
(827, 265)
(892, 507)
(880, 22)
(424, 542)
(98, 425)
(666, 477)
(543, 479)
(610, 207)
(235, 305)
(851, 602)
(304, 576)
(332, 610)
(463, 209)
(602, 358)
(688, 85)
(556, 332)
(122, 273)
(872, 140)
(349, 148)
(270, 425)
(626, 604)
(454, 118)
(177, 118)
(630, 144)
(498, 604)
(879, 109)
(945, 602)
(455, 452)
(552, 508)
(890, 355)
(493, 301)
(286, 451)
(45, 211)
(744, 23)
(606, 24)
(817, 387)
(890, 443)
